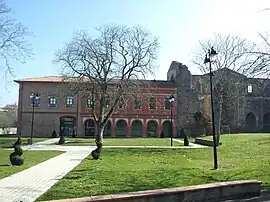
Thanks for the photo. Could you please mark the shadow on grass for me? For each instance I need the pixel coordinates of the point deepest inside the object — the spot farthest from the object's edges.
(3, 165)
(72, 177)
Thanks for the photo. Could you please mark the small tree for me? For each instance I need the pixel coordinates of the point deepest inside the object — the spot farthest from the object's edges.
(108, 69)
(14, 157)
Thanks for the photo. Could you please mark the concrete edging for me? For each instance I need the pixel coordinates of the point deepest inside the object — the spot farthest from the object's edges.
(205, 142)
(215, 191)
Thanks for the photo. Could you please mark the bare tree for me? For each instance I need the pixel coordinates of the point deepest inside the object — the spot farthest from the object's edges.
(109, 68)
(262, 57)
(232, 68)
(13, 45)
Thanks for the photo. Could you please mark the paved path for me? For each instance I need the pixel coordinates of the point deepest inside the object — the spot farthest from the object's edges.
(29, 184)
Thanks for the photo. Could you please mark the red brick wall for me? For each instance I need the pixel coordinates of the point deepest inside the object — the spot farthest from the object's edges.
(47, 118)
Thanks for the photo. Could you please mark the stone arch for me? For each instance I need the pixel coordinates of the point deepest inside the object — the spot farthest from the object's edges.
(121, 128)
(89, 128)
(152, 128)
(251, 123)
(266, 122)
(108, 129)
(137, 126)
(166, 128)
(68, 125)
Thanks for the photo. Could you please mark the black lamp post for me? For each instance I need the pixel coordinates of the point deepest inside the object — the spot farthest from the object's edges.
(207, 59)
(171, 100)
(34, 98)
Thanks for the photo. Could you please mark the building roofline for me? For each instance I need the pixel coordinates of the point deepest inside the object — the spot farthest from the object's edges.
(60, 79)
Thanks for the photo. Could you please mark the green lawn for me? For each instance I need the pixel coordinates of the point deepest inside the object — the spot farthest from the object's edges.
(31, 158)
(122, 142)
(123, 170)
(7, 142)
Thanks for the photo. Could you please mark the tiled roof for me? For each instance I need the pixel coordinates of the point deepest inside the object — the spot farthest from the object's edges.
(58, 79)
(42, 79)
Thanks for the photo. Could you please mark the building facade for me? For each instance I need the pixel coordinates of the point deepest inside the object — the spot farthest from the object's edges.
(148, 118)
(52, 111)
(249, 106)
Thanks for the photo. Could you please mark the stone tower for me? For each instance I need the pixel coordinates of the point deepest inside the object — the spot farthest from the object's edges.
(186, 97)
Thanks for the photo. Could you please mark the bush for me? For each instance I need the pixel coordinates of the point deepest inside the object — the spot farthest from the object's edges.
(96, 152)
(61, 140)
(14, 157)
(54, 135)
(183, 134)
(186, 141)
(17, 143)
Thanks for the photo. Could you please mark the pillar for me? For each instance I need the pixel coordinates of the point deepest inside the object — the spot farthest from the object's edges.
(129, 130)
(159, 128)
(144, 130)
(113, 128)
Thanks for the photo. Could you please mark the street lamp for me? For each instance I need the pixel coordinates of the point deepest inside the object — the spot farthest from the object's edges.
(34, 97)
(171, 100)
(207, 59)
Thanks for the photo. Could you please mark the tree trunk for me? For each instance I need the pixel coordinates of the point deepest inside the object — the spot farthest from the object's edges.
(99, 139)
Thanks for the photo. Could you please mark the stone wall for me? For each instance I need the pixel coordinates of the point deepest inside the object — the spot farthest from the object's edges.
(207, 192)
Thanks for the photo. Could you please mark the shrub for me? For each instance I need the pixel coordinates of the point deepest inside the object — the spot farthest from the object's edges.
(96, 152)
(14, 157)
(186, 141)
(17, 143)
(54, 135)
(61, 140)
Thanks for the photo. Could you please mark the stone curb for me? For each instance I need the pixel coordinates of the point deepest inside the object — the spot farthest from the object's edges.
(215, 191)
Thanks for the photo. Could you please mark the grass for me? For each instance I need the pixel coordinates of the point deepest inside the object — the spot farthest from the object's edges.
(7, 142)
(122, 170)
(122, 142)
(31, 158)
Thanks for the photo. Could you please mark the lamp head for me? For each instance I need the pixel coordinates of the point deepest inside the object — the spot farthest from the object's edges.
(206, 59)
(213, 51)
(171, 98)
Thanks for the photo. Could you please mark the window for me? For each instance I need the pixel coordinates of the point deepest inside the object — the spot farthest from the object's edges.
(52, 101)
(35, 99)
(152, 103)
(167, 104)
(90, 102)
(137, 103)
(69, 101)
(249, 88)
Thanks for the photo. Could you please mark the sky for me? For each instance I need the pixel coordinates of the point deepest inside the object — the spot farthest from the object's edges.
(179, 25)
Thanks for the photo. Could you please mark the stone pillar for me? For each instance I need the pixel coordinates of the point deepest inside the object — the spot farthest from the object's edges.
(80, 127)
(159, 128)
(78, 115)
(113, 127)
(129, 130)
(144, 130)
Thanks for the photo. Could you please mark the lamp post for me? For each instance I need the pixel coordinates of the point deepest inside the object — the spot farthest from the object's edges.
(34, 97)
(207, 59)
(171, 100)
